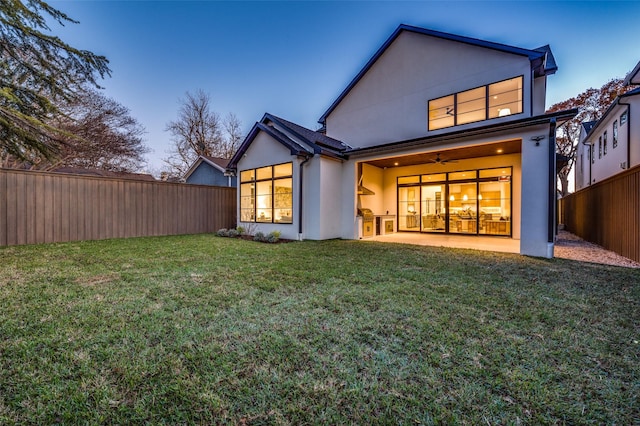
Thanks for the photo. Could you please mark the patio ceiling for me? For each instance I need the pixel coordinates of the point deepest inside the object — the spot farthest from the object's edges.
(487, 150)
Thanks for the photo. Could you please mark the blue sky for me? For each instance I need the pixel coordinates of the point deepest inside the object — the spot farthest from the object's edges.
(293, 58)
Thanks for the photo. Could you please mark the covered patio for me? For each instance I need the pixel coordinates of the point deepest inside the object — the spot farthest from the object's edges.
(502, 245)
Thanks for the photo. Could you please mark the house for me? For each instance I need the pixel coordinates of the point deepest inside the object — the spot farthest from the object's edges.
(208, 170)
(438, 134)
(611, 145)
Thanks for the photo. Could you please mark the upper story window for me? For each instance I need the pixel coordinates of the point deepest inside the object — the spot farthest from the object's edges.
(482, 103)
(266, 194)
(604, 143)
(600, 147)
(623, 118)
(615, 133)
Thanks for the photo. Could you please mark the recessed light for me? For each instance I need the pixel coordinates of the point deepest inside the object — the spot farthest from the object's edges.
(499, 151)
(395, 164)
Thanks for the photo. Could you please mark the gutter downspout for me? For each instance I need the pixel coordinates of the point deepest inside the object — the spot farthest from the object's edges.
(553, 183)
(628, 132)
(300, 192)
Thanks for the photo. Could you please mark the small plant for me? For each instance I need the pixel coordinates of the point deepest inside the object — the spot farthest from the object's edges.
(240, 230)
(273, 237)
(223, 232)
(233, 233)
(259, 236)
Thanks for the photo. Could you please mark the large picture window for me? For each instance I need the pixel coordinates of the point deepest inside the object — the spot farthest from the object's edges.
(485, 102)
(266, 194)
(476, 202)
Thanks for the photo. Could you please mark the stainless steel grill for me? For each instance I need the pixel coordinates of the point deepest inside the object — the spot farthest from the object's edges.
(367, 222)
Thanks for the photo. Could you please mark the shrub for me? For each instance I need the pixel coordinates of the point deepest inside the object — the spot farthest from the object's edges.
(273, 236)
(233, 233)
(223, 232)
(240, 230)
(259, 236)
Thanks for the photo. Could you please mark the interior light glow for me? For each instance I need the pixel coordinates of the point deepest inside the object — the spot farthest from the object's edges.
(465, 198)
(452, 198)
(504, 111)
(499, 151)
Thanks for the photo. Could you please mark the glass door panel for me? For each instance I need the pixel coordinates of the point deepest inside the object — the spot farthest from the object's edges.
(463, 202)
(495, 207)
(408, 208)
(433, 210)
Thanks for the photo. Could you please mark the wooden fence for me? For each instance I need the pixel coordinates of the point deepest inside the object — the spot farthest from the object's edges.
(607, 213)
(49, 207)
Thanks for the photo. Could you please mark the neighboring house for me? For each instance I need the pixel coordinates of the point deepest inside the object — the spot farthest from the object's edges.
(438, 133)
(209, 171)
(611, 144)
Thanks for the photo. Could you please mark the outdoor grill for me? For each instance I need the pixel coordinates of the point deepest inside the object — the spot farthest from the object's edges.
(367, 222)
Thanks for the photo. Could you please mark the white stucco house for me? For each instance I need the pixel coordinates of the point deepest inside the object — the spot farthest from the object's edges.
(437, 134)
(611, 145)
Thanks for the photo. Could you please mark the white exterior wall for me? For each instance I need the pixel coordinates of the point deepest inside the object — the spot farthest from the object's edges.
(321, 199)
(539, 96)
(582, 164)
(266, 151)
(535, 194)
(390, 102)
(610, 163)
(626, 155)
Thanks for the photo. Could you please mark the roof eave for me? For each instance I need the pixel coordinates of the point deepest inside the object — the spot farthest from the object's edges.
(560, 116)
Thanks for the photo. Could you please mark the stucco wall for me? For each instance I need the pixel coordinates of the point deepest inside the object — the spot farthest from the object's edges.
(266, 151)
(390, 102)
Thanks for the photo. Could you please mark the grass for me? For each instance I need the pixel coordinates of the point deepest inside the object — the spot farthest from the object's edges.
(209, 330)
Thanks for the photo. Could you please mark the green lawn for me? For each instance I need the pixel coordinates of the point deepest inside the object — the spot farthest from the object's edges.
(209, 330)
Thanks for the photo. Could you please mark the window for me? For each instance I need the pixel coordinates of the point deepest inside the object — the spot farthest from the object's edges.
(494, 100)
(623, 118)
(266, 194)
(472, 202)
(592, 152)
(615, 134)
(604, 143)
(600, 147)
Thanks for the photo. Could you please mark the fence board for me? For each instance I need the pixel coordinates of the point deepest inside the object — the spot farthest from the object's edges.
(37, 207)
(608, 213)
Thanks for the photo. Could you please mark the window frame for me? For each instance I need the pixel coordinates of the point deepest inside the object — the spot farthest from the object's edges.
(453, 107)
(604, 143)
(253, 180)
(615, 134)
(600, 147)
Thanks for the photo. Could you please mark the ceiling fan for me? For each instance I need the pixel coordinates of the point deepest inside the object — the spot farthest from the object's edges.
(439, 160)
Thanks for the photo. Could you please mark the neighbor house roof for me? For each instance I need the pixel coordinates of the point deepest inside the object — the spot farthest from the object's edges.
(633, 77)
(604, 117)
(542, 60)
(103, 173)
(215, 162)
(298, 139)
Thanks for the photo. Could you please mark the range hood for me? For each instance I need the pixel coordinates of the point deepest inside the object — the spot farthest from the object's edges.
(361, 189)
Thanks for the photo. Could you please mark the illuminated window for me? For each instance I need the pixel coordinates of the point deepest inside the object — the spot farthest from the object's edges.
(494, 100)
(266, 194)
(615, 133)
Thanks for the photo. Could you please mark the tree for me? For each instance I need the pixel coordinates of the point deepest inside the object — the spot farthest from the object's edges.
(200, 131)
(98, 133)
(591, 104)
(37, 72)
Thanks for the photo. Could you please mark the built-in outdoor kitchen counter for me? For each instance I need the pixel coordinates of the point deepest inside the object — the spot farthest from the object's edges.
(385, 224)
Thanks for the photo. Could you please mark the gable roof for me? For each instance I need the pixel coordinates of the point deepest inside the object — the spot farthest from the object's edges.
(633, 77)
(542, 60)
(217, 163)
(288, 134)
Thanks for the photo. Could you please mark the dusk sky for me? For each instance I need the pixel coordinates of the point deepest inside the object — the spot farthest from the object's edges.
(293, 58)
